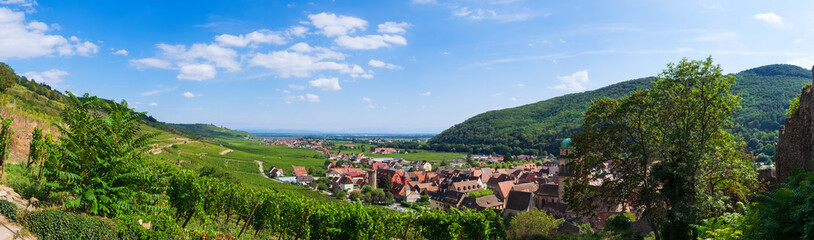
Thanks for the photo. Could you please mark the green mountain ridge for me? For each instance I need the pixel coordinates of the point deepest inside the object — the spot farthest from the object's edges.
(538, 127)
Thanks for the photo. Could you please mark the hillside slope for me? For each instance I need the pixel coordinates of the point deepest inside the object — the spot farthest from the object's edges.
(538, 127)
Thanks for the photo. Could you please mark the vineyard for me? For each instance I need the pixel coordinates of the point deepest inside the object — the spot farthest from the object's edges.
(269, 213)
(103, 182)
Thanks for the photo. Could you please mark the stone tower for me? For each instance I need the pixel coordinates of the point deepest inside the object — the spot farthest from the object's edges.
(564, 173)
(795, 144)
(371, 178)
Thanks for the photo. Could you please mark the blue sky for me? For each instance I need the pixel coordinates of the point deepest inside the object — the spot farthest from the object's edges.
(411, 66)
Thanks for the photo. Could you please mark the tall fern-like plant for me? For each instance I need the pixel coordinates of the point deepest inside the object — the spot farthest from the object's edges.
(103, 164)
(5, 142)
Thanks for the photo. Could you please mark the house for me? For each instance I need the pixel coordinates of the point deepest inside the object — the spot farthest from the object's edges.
(456, 163)
(529, 166)
(379, 165)
(482, 203)
(422, 166)
(305, 179)
(466, 186)
(502, 190)
(446, 200)
(517, 202)
(412, 197)
(275, 172)
(343, 183)
(384, 150)
(299, 171)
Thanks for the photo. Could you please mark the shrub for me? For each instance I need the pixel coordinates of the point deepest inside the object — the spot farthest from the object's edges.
(9, 210)
(619, 222)
(480, 193)
(56, 224)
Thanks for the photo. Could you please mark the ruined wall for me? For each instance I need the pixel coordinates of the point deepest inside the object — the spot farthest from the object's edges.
(795, 145)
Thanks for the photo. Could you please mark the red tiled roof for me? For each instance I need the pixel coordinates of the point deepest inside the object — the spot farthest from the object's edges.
(299, 171)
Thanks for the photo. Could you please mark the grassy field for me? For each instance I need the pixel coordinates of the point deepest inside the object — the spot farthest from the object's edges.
(416, 155)
(240, 163)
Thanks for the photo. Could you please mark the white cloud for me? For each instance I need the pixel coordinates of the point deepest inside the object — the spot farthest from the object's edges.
(803, 62)
(333, 25)
(573, 82)
(51, 77)
(188, 95)
(21, 40)
(307, 97)
(253, 38)
(151, 62)
(513, 99)
(153, 104)
(461, 12)
(197, 62)
(425, 94)
(121, 52)
(393, 27)
(505, 15)
(520, 85)
(303, 60)
(769, 17)
(297, 31)
(297, 87)
(380, 64)
(311, 98)
(326, 84)
(197, 72)
(367, 99)
(157, 92)
(370, 41)
(222, 57)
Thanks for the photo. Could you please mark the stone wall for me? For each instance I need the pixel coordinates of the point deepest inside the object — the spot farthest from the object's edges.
(795, 145)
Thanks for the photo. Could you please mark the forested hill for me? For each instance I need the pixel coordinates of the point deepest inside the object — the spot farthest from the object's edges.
(538, 127)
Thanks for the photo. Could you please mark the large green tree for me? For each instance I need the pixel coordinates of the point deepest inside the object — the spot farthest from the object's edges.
(671, 154)
(7, 77)
(103, 165)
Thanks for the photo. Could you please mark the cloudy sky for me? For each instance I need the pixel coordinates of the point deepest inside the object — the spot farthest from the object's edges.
(410, 66)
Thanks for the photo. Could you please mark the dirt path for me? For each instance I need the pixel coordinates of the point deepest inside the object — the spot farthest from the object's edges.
(260, 167)
(226, 151)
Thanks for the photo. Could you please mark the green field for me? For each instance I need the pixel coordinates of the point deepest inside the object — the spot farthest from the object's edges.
(240, 163)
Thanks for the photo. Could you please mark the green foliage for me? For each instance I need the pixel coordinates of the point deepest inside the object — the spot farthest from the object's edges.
(794, 104)
(620, 222)
(727, 226)
(57, 225)
(209, 130)
(480, 193)
(670, 151)
(9, 210)
(533, 224)
(103, 165)
(7, 77)
(785, 213)
(355, 196)
(539, 127)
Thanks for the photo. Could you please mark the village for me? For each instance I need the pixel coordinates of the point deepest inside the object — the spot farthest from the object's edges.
(533, 183)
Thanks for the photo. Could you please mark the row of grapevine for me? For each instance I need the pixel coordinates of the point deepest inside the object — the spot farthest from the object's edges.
(287, 215)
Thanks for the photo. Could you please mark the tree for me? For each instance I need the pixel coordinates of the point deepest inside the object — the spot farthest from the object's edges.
(355, 195)
(7, 77)
(671, 154)
(534, 224)
(36, 147)
(103, 165)
(5, 142)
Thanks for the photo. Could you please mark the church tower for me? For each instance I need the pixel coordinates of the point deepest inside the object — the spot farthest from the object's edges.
(564, 173)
